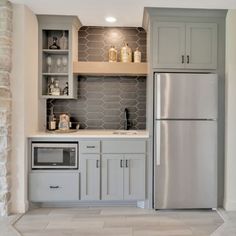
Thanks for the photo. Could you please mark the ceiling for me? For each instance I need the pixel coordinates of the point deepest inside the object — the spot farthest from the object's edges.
(127, 12)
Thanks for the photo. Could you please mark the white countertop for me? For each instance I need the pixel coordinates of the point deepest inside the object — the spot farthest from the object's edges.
(89, 133)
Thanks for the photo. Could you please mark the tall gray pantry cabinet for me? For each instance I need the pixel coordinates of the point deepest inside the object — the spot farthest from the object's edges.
(185, 41)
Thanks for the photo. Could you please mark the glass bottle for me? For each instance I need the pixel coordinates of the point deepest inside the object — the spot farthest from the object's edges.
(63, 41)
(137, 56)
(112, 54)
(66, 89)
(52, 120)
(54, 44)
(51, 85)
(126, 53)
(56, 91)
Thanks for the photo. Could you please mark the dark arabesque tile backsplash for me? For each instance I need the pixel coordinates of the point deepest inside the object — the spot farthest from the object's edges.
(102, 100)
(94, 42)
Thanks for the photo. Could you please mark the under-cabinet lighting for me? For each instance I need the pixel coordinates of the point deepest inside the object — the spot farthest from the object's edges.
(110, 19)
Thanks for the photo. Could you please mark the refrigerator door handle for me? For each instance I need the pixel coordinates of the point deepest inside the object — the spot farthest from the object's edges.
(157, 102)
(158, 142)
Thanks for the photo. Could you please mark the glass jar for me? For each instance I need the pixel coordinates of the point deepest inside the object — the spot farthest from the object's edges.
(63, 41)
(137, 56)
(126, 53)
(56, 91)
(112, 54)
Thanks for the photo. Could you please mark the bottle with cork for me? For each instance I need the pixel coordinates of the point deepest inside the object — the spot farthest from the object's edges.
(126, 53)
(112, 54)
(137, 56)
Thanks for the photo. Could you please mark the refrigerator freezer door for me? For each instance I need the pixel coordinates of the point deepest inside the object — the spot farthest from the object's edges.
(186, 165)
(186, 96)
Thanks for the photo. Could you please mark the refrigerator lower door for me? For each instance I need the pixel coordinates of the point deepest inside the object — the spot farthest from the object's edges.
(185, 164)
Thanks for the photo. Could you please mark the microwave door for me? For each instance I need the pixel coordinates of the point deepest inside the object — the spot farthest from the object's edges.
(49, 156)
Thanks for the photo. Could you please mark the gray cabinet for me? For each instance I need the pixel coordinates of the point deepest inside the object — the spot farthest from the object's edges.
(57, 64)
(134, 177)
(184, 45)
(123, 176)
(112, 177)
(90, 176)
(169, 45)
(53, 187)
(201, 45)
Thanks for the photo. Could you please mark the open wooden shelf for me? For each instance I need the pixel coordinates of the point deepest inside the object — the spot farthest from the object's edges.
(55, 74)
(109, 68)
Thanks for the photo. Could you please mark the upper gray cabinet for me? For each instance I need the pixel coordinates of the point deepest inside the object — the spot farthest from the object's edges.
(58, 48)
(168, 45)
(181, 45)
(201, 45)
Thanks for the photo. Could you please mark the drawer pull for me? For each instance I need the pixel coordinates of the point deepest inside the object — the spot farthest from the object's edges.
(90, 146)
(97, 163)
(53, 187)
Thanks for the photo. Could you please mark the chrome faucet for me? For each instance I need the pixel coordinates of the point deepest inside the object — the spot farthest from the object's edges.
(126, 119)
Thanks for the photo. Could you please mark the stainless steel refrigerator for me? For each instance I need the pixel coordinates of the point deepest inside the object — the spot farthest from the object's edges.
(185, 141)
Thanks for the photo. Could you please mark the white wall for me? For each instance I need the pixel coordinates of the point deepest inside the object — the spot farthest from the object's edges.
(230, 119)
(25, 98)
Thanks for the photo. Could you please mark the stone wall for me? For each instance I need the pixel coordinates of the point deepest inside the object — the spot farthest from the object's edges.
(5, 103)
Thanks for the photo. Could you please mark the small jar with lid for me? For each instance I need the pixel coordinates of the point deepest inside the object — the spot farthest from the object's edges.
(112, 54)
(137, 56)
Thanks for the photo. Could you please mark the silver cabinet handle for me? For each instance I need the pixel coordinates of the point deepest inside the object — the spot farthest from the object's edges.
(126, 163)
(121, 163)
(54, 187)
(187, 59)
(90, 146)
(97, 163)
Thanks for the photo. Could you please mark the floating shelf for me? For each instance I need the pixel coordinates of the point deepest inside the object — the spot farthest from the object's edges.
(109, 68)
(55, 97)
(54, 51)
(55, 74)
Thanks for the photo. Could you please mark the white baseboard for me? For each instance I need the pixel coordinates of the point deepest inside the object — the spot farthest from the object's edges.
(230, 205)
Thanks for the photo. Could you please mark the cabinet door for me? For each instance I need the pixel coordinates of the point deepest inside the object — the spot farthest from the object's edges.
(201, 45)
(168, 45)
(134, 177)
(112, 177)
(90, 176)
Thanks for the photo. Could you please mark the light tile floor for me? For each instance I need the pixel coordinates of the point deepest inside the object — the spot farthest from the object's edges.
(118, 221)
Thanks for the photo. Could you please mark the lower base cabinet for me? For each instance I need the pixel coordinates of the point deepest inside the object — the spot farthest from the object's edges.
(90, 176)
(53, 187)
(112, 177)
(123, 177)
(134, 177)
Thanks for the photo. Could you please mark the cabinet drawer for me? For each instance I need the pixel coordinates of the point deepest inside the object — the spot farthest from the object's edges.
(135, 146)
(89, 146)
(50, 187)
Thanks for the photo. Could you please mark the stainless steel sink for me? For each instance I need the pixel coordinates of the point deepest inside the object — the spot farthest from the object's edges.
(125, 132)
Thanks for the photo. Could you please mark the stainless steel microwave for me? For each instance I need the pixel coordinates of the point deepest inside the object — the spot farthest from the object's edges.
(54, 155)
